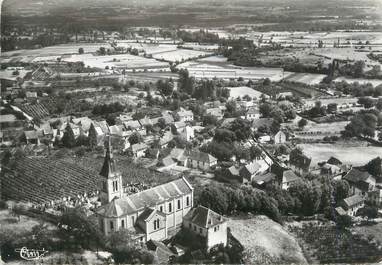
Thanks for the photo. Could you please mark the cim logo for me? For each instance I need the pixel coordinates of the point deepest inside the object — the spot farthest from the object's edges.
(31, 254)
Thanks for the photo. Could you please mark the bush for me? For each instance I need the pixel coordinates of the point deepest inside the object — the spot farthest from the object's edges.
(3, 205)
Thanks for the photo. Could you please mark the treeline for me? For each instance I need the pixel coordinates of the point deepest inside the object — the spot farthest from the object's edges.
(200, 36)
(303, 198)
(201, 89)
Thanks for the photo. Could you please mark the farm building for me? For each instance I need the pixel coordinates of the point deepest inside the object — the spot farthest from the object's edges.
(201, 160)
(352, 204)
(279, 137)
(185, 115)
(361, 182)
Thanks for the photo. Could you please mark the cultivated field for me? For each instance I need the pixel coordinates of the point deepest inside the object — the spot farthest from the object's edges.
(49, 53)
(126, 61)
(180, 55)
(346, 152)
(265, 241)
(305, 78)
(244, 90)
(148, 48)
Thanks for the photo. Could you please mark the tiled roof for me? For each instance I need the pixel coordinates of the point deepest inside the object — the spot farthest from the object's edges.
(233, 171)
(138, 147)
(289, 176)
(355, 175)
(340, 211)
(204, 217)
(83, 122)
(150, 197)
(31, 135)
(334, 161)
(201, 156)
(253, 110)
(264, 178)
(168, 161)
(299, 160)
(185, 113)
(177, 154)
(353, 200)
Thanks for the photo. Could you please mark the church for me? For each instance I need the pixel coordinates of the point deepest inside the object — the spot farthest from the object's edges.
(151, 214)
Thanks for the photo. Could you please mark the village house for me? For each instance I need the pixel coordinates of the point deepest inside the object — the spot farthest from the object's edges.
(215, 112)
(33, 137)
(248, 172)
(201, 160)
(75, 128)
(285, 176)
(265, 179)
(178, 127)
(361, 182)
(208, 224)
(165, 139)
(352, 204)
(139, 150)
(185, 115)
(179, 156)
(279, 138)
(231, 175)
(84, 124)
(120, 132)
(187, 133)
(253, 113)
(299, 162)
(375, 197)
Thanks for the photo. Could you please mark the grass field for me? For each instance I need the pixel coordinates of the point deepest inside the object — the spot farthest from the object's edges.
(244, 90)
(179, 55)
(265, 241)
(126, 61)
(346, 152)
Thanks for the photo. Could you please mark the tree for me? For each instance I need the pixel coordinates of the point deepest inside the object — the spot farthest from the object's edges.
(241, 128)
(265, 110)
(74, 223)
(368, 212)
(366, 102)
(68, 140)
(82, 140)
(374, 167)
(341, 190)
(344, 221)
(92, 138)
(224, 135)
(135, 138)
(102, 51)
(332, 107)
(81, 50)
(302, 123)
(256, 152)
(209, 120)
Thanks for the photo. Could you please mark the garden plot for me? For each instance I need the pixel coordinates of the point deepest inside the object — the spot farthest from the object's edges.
(305, 78)
(362, 81)
(244, 90)
(346, 152)
(126, 61)
(180, 55)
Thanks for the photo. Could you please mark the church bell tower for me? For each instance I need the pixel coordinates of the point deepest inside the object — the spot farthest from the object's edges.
(112, 178)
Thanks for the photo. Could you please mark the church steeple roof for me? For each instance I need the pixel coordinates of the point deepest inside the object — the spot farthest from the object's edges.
(109, 167)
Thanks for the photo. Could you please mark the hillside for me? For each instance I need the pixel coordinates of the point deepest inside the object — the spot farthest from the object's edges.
(266, 242)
